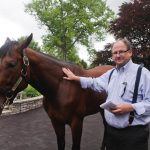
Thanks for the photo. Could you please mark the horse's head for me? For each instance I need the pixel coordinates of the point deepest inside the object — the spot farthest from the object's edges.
(13, 70)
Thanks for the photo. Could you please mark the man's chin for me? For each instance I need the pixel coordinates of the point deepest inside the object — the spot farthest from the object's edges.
(120, 64)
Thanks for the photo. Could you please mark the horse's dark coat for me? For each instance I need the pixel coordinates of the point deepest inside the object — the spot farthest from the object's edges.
(64, 101)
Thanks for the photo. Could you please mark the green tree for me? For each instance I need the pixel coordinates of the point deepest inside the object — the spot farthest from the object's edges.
(133, 22)
(70, 22)
(31, 92)
(103, 57)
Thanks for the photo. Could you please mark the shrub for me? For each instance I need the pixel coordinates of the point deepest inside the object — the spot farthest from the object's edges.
(31, 92)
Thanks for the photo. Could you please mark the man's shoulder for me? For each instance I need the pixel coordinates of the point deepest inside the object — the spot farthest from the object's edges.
(144, 69)
(135, 66)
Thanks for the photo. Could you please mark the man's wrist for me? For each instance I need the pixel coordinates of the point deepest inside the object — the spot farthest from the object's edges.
(76, 78)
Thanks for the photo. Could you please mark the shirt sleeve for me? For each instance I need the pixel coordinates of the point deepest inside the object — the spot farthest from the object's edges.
(97, 84)
(143, 106)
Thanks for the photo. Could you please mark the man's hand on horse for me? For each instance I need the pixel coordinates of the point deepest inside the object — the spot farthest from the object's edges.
(70, 75)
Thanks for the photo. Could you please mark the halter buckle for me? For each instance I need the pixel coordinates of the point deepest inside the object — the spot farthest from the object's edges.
(25, 60)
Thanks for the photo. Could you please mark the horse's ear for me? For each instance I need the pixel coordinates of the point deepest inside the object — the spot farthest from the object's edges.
(26, 42)
(7, 40)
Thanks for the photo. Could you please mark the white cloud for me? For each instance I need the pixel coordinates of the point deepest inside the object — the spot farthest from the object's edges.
(15, 22)
(9, 29)
(83, 53)
(115, 4)
(100, 45)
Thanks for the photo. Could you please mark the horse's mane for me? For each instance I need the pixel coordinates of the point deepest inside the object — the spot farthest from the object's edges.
(56, 60)
(7, 47)
(93, 72)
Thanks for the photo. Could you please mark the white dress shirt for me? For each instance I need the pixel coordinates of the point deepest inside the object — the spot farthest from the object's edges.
(120, 90)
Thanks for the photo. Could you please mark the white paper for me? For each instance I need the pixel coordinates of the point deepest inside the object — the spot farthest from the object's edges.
(107, 105)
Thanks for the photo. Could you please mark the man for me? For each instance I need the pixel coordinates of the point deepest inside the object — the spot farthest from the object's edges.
(123, 134)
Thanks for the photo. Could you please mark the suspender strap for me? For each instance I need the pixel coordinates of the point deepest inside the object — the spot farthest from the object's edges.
(110, 75)
(135, 94)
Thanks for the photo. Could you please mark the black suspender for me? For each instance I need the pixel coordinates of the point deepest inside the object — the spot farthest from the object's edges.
(135, 94)
(110, 75)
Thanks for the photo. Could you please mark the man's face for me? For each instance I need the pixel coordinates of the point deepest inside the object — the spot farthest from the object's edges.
(120, 54)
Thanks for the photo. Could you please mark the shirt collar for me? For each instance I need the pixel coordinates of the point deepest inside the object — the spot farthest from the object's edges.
(126, 66)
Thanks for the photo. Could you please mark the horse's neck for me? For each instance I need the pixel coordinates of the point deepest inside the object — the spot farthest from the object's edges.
(45, 72)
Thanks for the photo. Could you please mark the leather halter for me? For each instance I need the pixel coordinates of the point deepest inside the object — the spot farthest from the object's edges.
(10, 94)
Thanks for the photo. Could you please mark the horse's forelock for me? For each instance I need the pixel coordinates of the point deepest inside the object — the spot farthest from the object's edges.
(7, 48)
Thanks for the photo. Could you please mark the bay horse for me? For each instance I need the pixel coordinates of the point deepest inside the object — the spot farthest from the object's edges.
(64, 101)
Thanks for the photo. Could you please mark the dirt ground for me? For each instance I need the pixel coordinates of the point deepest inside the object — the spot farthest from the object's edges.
(33, 130)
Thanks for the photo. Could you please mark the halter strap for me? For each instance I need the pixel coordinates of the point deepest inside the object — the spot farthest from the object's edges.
(10, 93)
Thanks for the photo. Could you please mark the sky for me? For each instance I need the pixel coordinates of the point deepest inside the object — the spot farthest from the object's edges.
(15, 22)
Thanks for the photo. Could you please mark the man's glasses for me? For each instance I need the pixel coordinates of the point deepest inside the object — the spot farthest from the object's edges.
(122, 52)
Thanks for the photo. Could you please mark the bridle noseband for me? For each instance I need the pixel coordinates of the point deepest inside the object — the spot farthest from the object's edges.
(10, 94)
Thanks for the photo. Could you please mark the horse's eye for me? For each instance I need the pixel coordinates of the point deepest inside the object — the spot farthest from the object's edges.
(11, 64)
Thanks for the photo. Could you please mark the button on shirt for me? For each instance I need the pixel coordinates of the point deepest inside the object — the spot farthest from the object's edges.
(120, 90)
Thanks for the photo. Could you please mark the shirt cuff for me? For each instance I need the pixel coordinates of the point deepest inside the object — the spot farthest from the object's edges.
(139, 108)
(83, 82)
